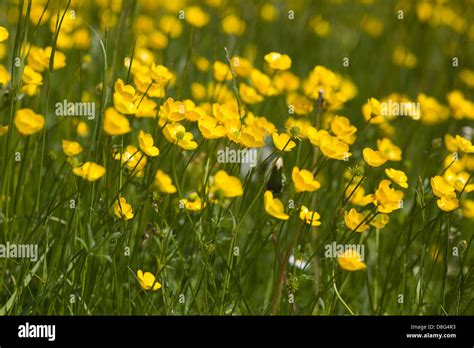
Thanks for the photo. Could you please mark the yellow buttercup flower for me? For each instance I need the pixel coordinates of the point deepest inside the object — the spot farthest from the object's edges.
(173, 111)
(309, 217)
(39, 58)
(461, 182)
(451, 143)
(147, 281)
(82, 129)
(249, 95)
(441, 187)
(464, 144)
(332, 147)
(387, 199)
(28, 122)
(397, 176)
(283, 141)
(195, 16)
(89, 171)
(230, 186)
(380, 221)
(176, 133)
(374, 158)
(4, 75)
(32, 80)
(146, 144)
(372, 111)
(133, 159)
(3, 34)
(353, 220)
(448, 203)
(71, 148)
(468, 208)
(351, 260)
(164, 182)
(122, 209)
(274, 207)
(343, 129)
(125, 98)
(210, 129)
(304, 180)
(278, 61)
(358, 197)
(115, 123)
(194, 203)
(391, 151)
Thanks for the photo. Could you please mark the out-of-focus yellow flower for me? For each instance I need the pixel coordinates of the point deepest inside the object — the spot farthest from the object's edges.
(274, 207)
(320, 26)
(195, 16)
(4, 75)
(309, 217)
(286, 81)
(380, 221)
(351, 260)
(391, 151)
(387, 199)
(233, 25)
(333, 148)
(145, 141)
(171, 26)
(194, 203)
(160, 74)
(32, 80)
(467, 77)
(372, 26)
(89, 171)
(71, 148)
(269, 12)
(210, 129)
(451, 143)
(221, 71)
(431, 110)
(28, 122)
(125, 98)
(468, 208)
(3, 34)
(283, 141)
(372, 110)
(374, 158)
(464, 144)
(133, 159)
(229, 185)
(176, 133)
(82, 129)
(202, 63)
(300, 104)
(460, 106)
(278, 61)
(343, 129)
(304, 180)
(122, 209)
(147, 281)
(358, 197)
(262, 83)
(403, 57)
(249, 95)
(115, 123)
(38, 58)
(3, 130)
(164, 183)
(461, 182)
(397, 176)
(242, 66)
(353, 220)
